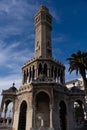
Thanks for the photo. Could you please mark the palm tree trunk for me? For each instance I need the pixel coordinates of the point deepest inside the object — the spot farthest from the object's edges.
(83, 74)
(85, 85)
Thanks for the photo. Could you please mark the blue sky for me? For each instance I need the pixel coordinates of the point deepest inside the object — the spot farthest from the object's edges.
(17, 35)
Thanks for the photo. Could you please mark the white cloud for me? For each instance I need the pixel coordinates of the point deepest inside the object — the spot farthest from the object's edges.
(55, 15)
(6, 82)
(19, 6)
(11, 57)
(15, 17)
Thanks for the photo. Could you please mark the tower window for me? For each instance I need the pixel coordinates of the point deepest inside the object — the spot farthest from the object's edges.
(49, 52)
(48, 43)
(37, 43)
(48, 19)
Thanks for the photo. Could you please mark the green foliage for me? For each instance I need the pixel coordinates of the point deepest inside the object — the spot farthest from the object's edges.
(78, 63)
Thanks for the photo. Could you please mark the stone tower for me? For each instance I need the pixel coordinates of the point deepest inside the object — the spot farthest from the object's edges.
(43, 27)
(40, 75)
(43, 101)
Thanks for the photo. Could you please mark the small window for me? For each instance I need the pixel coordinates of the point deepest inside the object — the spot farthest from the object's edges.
(37, 43)
(48, 43)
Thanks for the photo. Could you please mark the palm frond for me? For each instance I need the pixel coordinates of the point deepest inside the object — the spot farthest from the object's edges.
(78, 62)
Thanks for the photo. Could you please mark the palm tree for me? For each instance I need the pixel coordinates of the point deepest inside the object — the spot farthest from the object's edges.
(78, 62)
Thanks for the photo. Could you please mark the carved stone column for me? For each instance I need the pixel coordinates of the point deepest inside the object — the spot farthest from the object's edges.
(71, 121)
(22, 77)
(85, 105)
(5, 111)
(53, 74)
(35, 73)
(48, 72)
(51, 123)
(2, 107)
(63, 77)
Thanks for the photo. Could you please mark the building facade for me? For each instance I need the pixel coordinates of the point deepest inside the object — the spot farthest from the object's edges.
(77, 82)
(43, 101)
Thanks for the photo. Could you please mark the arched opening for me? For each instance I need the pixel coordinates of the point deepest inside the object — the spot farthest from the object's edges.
(33, 72)
(39, 69)
(45, 69)
(52, 69)
(22, 116)
(59, 75)
(55, 73)
(63, 114)
(7, 112)
(42, 117)
(3, 110)
(79, 112)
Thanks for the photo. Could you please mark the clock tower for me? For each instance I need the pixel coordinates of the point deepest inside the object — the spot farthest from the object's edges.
(43, 27)
(42, 102)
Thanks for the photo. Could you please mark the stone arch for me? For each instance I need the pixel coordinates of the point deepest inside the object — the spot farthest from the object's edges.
(42, 113)
(10, 110)
(42, 90)
(79, 111)
(8, 99)
(7, 111)
(22, 116)
(7, 102)
(63, 115)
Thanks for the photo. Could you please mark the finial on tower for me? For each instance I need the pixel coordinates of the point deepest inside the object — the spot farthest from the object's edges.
(43, 8)
(13, 85)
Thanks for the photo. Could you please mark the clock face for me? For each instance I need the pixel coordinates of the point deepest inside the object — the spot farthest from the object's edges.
(37, 19)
